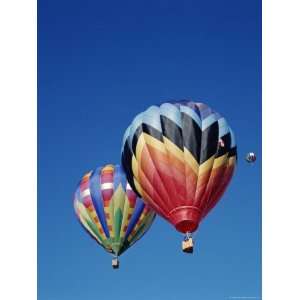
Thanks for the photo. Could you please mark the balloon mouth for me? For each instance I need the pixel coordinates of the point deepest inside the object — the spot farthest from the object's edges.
(116, 247)
(185, 218)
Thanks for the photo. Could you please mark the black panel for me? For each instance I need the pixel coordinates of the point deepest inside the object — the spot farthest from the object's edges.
(126, 163)
(227, 142)
(191, 134)
(233, 152)
(153, 132)
(171, 131)
(210, 139)
(135, 137)
(146, 129)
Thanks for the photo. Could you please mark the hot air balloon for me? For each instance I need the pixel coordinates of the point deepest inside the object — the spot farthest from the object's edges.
(110, 211)
(180, 157)
(250, 157)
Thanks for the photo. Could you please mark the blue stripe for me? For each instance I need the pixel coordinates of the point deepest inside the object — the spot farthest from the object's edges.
(95, 190)
(233, 142)
(191, 113)
(119, 177)
(223, 127)
(137, 121)
(139, 207)
(208, 121)
(152, 117)
(171, 112)
(149, 117)
(205, 111)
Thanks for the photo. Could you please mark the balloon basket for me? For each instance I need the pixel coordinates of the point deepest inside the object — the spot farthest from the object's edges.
(188, 245)
(115, 263)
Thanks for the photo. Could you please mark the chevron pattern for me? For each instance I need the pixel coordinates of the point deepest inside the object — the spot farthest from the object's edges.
(179, 154)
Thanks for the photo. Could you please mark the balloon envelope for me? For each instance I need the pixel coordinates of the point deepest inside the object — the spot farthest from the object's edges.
(251, 157)
(110, 211)
(179, 157)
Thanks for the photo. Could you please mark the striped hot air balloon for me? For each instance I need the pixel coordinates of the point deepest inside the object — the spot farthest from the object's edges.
(179, 157)
(110, 211)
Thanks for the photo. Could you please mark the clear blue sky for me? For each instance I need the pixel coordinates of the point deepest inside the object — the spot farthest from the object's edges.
(101, 63)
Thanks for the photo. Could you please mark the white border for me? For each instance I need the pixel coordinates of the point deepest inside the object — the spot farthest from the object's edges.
(18, 249)
(281, 182)
(281, 178)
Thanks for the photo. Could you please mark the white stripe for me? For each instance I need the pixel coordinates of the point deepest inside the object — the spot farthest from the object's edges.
(128, 187)
(85, 193)
(107, 186)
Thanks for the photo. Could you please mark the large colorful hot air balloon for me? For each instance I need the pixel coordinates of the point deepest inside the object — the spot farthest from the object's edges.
(179, 157)
(110, 211)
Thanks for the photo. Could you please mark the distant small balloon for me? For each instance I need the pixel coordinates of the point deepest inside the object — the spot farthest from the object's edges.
(251, 157)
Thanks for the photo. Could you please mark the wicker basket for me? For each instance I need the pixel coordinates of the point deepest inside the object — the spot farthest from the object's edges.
(115, 263)
(188, 246)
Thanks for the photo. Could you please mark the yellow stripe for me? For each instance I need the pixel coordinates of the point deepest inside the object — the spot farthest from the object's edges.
(108, 220)
(191, 161)
(142, 217)
(137, 225)
(138, 187)
(140, 223)
(134, 165)
(155, 143)
(206, 166)
(111, 216)
(118, 198)
(232, 160)
(126, 211)
(133, 232)
(87, 175)
(92, 214)
(83, 211)
(136, 177)
(139, 147)
(108, 168)
(83, 215)
(85, 224)
(220, 161)
(172, 148)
